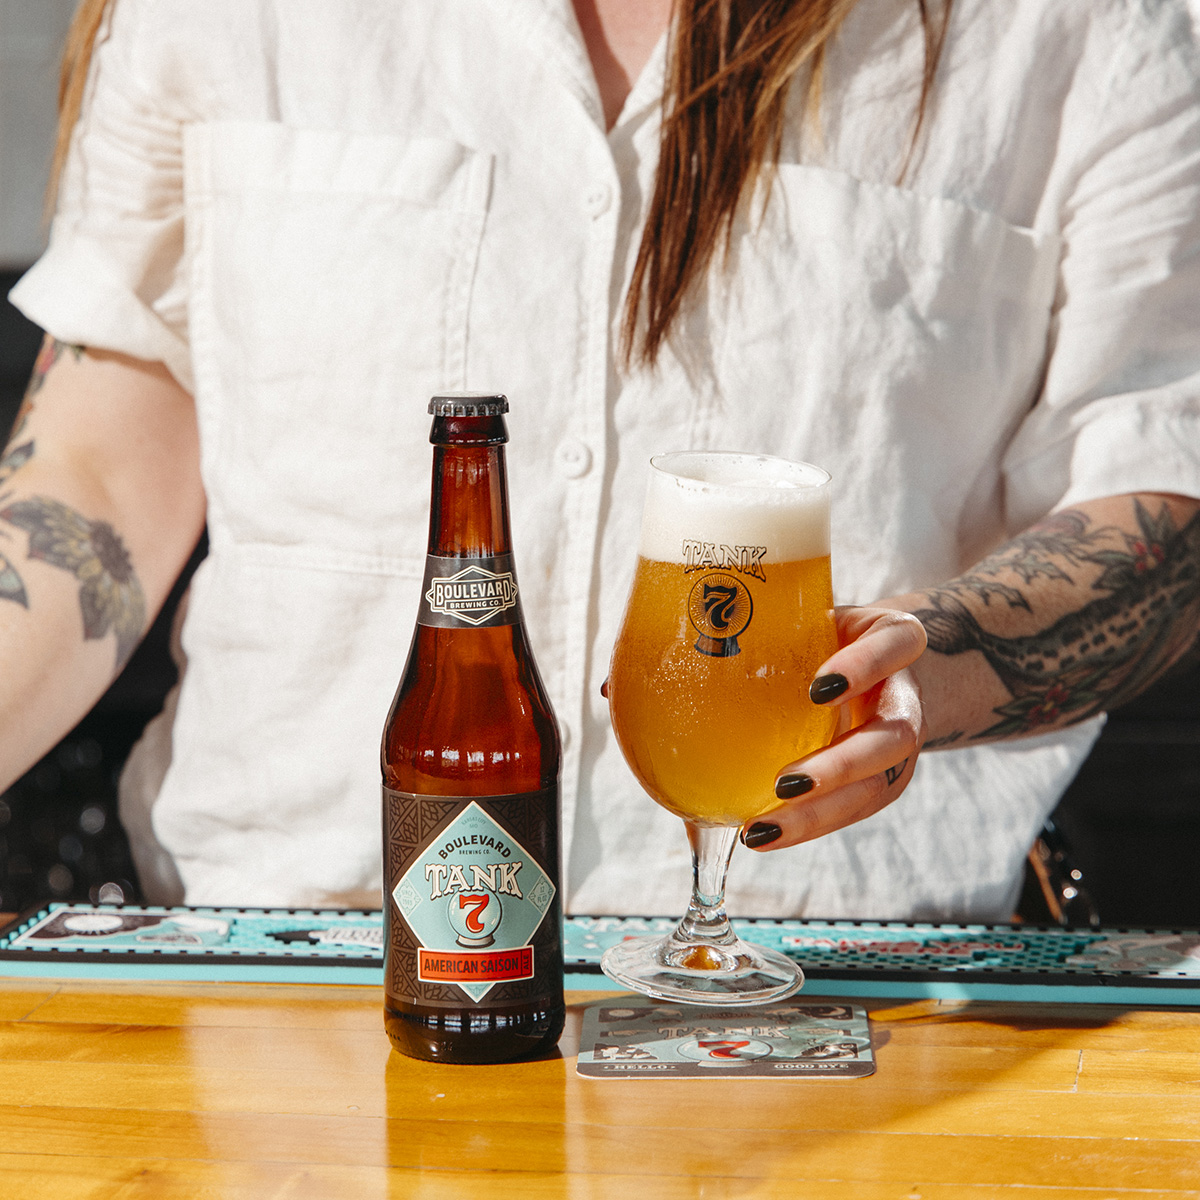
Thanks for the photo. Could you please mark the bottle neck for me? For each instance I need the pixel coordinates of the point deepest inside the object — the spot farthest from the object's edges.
(469, 510)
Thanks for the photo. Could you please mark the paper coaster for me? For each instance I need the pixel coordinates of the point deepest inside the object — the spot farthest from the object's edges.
(777, 1041)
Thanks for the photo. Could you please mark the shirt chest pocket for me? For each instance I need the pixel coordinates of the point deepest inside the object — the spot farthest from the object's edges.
(849, 288)
(331, 284)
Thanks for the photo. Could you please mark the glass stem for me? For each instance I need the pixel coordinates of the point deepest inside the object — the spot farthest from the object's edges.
(705, 919)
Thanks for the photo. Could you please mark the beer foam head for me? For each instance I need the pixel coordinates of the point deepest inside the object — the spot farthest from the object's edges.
(735, 500)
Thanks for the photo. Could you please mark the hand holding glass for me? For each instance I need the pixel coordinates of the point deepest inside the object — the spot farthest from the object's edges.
(730, 615)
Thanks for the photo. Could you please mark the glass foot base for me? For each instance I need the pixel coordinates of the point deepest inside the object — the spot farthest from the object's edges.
(729, 975)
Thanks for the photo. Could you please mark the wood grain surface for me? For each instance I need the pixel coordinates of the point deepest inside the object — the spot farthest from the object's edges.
(191, 1091)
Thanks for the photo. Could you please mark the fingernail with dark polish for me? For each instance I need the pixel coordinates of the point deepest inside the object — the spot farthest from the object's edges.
(761, 833)
(788, 787)
(827, 687)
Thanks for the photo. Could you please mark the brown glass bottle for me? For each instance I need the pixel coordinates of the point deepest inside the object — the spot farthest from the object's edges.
(470, 757)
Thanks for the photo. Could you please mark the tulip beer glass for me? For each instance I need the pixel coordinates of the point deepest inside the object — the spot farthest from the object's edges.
(730, 615)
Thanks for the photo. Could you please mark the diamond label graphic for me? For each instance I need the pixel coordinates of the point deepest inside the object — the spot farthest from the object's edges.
(474, 594)
(474, 898)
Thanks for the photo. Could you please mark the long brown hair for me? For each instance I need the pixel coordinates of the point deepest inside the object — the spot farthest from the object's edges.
(72, 78)
(731, 65)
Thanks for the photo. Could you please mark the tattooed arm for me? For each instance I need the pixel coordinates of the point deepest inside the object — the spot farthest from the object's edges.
(100, 505)
(1075, 616)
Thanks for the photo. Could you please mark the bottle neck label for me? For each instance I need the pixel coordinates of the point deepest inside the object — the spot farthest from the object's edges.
(472, 902)
(475, 593)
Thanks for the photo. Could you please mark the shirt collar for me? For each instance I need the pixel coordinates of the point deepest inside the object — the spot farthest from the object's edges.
(552, 25)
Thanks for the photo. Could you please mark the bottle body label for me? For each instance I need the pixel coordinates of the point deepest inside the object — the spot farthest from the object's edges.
(474, 592)
(472, 903)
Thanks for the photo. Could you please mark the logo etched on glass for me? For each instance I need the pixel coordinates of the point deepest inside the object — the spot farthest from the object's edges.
(719, 608)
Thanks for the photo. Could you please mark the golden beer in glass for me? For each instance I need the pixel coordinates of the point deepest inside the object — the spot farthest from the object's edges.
(728, 619)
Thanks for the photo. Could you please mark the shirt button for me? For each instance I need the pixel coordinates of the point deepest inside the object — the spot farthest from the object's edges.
(573, 458)
(598, 199)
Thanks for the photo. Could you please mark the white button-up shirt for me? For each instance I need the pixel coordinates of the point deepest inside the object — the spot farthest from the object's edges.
(319, 214)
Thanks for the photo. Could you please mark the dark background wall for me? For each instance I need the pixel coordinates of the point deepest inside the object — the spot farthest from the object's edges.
(1132, 815)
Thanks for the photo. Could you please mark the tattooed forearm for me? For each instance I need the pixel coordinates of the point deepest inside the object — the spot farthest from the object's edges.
(1062, 540)
(1098, 656)
(110, 596)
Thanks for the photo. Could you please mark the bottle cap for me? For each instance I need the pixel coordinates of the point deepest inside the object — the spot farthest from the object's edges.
(468, 404)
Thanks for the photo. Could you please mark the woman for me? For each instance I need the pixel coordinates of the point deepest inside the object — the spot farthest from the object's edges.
(948, 253)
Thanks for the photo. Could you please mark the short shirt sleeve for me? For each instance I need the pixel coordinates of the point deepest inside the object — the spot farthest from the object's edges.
(1119, 410)
(113, 275)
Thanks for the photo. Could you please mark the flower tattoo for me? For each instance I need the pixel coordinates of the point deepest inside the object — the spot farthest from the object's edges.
(110, 596)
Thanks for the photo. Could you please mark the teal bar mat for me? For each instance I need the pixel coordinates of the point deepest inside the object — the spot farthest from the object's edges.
(840, 958)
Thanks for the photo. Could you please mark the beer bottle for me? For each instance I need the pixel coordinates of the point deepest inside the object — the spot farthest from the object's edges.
(470, 757)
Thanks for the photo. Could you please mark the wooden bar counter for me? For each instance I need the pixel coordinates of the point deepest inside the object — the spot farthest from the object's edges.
(270, 1091)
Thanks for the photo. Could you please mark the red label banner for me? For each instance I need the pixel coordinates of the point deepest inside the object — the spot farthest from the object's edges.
(475, 966)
